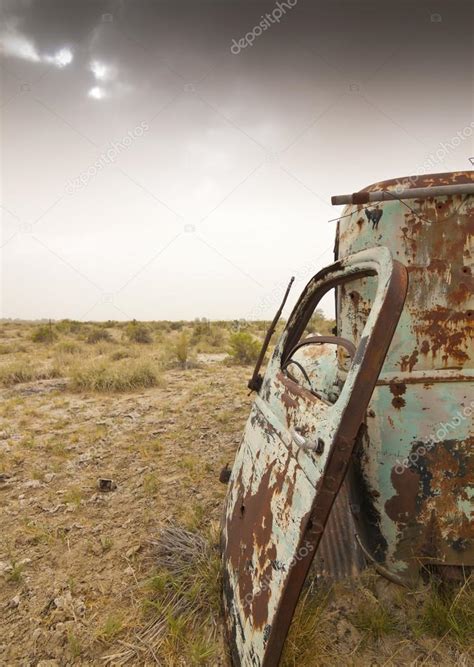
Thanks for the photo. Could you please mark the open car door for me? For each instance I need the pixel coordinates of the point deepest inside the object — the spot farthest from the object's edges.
(292, 460)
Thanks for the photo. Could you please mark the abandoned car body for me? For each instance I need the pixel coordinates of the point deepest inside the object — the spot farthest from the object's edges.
(382, 410)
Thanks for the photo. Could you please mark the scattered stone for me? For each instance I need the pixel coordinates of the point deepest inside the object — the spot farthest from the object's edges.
(105, 485)
(36, 634)
(133, 550)
(32, 484)
(14, 602)
(49, 477)
(4, 435)
(5, 568)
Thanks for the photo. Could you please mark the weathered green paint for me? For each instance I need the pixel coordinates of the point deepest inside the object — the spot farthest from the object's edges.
(418, 512)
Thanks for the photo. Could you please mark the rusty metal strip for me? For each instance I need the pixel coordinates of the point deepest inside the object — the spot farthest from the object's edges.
(426, 377)
(364, 197)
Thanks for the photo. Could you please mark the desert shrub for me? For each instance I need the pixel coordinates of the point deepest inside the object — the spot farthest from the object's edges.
(97, 336)
(319, 324)
(6, 349)
(44, 334)
(207, 337)
(181, 599)
(181, 349)
(244, 348)
(136, 332)
(68, 326)
(120, 354)
(68, 347)
(124, 376)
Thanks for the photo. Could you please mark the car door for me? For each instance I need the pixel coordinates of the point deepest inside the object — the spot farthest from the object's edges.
(291, 463)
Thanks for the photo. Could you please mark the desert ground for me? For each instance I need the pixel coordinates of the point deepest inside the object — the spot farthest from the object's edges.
(126, 570)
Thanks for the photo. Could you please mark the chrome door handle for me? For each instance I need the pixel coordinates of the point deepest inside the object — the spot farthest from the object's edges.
(305, 443)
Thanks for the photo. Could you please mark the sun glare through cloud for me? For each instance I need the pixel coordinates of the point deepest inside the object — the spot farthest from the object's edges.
(61, 58)
(99, 70)
(97, 93)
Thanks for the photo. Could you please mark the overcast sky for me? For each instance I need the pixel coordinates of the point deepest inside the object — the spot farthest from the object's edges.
(159, 164)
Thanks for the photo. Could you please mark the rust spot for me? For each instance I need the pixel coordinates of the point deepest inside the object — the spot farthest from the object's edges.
(401, 508)
(398, 389)
(447, 330)
(407, 363)
(430, 547)
(253, 538)
(425, 347)
(439, 265)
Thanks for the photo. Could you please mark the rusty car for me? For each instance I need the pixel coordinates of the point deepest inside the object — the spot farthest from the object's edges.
(358, 448)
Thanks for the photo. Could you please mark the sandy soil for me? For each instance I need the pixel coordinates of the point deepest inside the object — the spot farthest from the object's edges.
(70, 555)
(73, 558)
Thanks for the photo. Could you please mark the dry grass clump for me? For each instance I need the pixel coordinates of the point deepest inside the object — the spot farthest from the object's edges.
(123, 353)
(182, 602)
(208, 337)
(44, 334)
(244, 348)
(98, 336)
(19, 372)
(374, 619)
(369, 616)
(68, 347)
(308, 641)
(122, 376)
(182, 349)
(449, 612)
(136, 332)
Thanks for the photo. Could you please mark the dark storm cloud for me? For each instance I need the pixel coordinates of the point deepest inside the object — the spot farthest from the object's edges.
(239, 150)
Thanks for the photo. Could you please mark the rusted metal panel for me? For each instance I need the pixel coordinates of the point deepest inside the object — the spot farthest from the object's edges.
(281, 493)
(339, 555)
(416, 465)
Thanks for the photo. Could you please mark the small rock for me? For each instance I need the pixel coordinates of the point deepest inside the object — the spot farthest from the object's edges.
(105, 484)
(49, 477)
(48, 663)
(133, 550)
(32, 484)
(129, 570)
(36, 634)
(5, 567)
(14, 602)
(80, 607)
